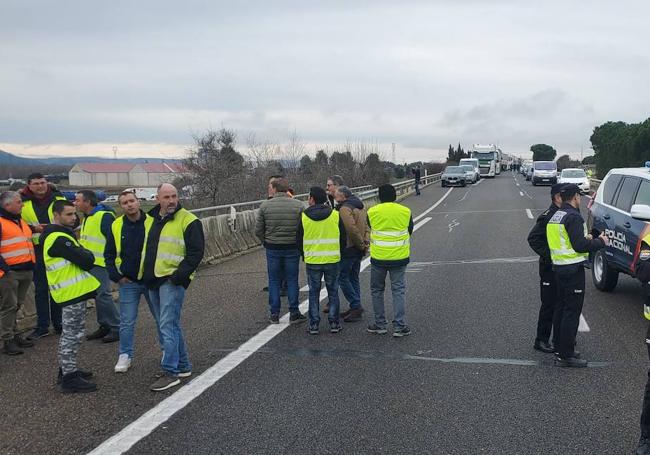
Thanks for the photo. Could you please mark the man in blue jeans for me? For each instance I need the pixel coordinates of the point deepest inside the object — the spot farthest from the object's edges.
(391, 226)
(124, 264)
(275, 226)
(321, 238)
(173, 251)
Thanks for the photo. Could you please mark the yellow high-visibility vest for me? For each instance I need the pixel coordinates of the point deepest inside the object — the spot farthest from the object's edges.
(29, 215)
(91, 236)
(171, 244)
(116, 229)
(321, 239)
(389, 236)
(66, 281)
(562, 252)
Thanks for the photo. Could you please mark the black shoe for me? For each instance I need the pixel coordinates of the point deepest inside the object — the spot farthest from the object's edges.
(38, 333)
(74, 383)
(274, 319)
(543, 346)
(402, 332)
(112, 337)
(11, 348)
(644, 447)
(570, 362)
(297, 318)
(101, 332)
(335, 327)
(22, 342)
(82, 374)
(575, 354)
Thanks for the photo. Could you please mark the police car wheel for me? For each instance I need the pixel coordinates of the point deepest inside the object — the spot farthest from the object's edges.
(604, 277)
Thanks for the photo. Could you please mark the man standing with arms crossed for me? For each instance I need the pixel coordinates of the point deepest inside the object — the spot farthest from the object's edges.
(38, 197)
(173, 252)
(16, 265)
(67, 264)
(391, 226)
(95, 230)
(570, 246)
(124, 257)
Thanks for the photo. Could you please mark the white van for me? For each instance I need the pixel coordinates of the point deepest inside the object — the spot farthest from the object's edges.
(471, 162)
(544, 172)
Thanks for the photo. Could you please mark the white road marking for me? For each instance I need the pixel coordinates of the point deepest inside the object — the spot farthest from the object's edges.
(464, 196)
(163, 411)
(517, 184)
(423, 214)
(521, 193)
(478, 183)
(583, 326)
(453, 224)
(529, 213)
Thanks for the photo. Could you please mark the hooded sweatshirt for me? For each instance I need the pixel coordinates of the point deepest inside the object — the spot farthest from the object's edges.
(353, 215)
(318, 212)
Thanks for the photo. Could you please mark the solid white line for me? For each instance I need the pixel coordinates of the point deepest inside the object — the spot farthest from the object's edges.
(152, 419)
(529, 213)
(521, 193)
(583, 326)
(421, 215)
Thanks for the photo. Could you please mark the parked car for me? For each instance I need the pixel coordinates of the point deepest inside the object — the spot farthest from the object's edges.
(544, 172)
(621, 208)
(112, 198)
(471, 173)
(577, 176)
(453, 175)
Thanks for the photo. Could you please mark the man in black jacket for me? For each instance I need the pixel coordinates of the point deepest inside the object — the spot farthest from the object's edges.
(548, 314)
(569, 245)
(642, 273)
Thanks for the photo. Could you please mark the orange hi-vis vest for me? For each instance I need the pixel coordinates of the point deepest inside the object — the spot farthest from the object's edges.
(16, 245)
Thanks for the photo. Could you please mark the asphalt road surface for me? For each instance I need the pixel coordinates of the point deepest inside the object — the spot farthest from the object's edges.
(466, 381)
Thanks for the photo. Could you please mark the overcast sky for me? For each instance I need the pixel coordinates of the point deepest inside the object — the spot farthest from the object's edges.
(79, 76)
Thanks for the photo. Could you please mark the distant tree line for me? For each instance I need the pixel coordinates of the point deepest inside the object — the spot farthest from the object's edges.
(457, 154)
(620, 144)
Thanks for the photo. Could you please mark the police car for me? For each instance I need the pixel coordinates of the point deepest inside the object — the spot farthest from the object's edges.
(620, 208)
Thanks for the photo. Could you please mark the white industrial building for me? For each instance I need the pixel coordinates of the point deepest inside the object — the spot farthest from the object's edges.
(124, 174)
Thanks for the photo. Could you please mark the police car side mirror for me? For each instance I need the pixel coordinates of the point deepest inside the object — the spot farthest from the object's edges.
(640, 212)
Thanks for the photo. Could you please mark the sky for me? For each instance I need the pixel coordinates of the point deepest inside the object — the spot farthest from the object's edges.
(83, 77)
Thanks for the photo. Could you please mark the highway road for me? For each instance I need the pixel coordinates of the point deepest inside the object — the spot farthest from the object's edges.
(466, 381)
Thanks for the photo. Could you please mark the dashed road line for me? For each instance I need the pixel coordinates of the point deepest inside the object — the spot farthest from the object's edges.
(521, 193)
(583, 326)
(529, 214)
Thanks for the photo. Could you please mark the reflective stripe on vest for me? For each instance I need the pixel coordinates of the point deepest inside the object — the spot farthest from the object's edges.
(562, 252)
(321, 239)
(29, 215)
(16, 245)
(171, 244)
(67, 281)
(116, 228)
(389, 236)
(91, 236)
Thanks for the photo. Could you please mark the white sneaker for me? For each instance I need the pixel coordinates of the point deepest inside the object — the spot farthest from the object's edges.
(123, 363)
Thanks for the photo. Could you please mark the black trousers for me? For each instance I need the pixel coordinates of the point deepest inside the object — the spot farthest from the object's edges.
(571, 296)
(645, 412)
(549, 314)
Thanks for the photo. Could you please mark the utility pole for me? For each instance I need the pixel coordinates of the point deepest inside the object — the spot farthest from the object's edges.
(115, 152)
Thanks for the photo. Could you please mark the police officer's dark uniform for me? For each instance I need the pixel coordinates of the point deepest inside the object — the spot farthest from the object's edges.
(548, 315)
(569, 246)
(642, 272)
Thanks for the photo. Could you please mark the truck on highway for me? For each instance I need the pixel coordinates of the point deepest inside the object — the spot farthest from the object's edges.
(489, 159)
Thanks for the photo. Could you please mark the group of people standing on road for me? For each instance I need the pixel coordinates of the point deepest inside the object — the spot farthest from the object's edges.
(152, 255)
(332, 234)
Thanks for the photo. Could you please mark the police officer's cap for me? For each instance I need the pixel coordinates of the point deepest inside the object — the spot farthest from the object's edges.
(569, 189)
(557, 188)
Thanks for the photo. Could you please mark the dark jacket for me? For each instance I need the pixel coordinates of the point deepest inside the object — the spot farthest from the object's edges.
(538, 242)
(353, 215)
(78, 255)
(275, 223)
(398, 263)
(642, 265)
(574, 225)
(132, 239)
(194, 248)
(318, 213)
(416, 175)
(3, 265)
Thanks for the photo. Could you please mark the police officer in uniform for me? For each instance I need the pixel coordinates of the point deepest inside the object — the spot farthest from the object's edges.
(642, 272)
(570, 246)
(67, 265)
(548, 314)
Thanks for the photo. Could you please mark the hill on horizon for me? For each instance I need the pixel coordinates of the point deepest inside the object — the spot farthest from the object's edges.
(9, 159)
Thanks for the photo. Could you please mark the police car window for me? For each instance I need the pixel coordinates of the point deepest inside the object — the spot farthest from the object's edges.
(643, 196)
(627, 193)
(610, 186)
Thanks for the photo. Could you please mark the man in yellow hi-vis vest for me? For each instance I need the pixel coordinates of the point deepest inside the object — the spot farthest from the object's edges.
(570, 246)
(95, 230)
(391, 226)
(67, 265)
(321, 238)
(173, 252)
